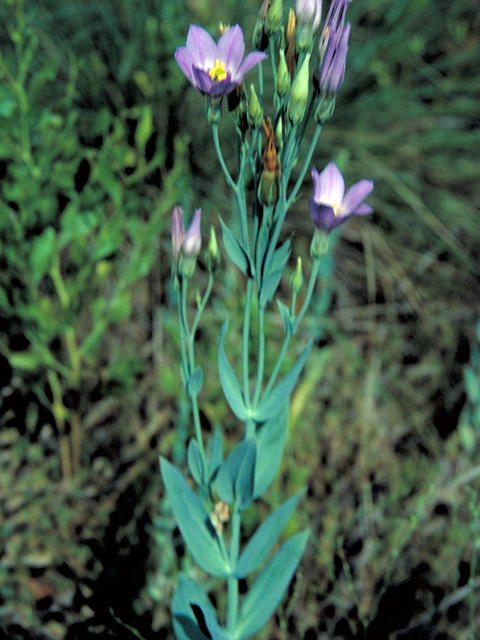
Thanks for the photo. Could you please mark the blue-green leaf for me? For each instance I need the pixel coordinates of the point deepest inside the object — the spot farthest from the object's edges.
(262, 541)
(195, 382)
(234, 249)
(235, 479)
(278, 394)
(267, 591)
(216, 454)
(194, 523)
(280, 257)
(285, 314)
(269, 286)
(270, 437)
(186, 618)
(196, 463)
(228, 379)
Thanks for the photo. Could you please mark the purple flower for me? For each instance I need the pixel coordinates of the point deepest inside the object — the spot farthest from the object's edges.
(333, 48)
(329, 206)
(215, 69)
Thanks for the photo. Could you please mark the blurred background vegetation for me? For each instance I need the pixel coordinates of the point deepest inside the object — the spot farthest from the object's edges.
(100, 136)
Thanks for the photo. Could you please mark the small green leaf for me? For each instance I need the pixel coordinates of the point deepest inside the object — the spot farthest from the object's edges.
(285, 314)
(283, 389)
(195, 382)
(267, 591)
(216, 454)
(269, 286)
(41, 253)
(195, 462)
(262, 541)
(235, 479)
(228, 380)
(234, 249)
(280, 257)
(144, 128)
(185, 621)
(194, 523)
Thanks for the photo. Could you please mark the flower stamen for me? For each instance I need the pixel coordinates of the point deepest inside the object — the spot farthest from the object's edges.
(217, 73)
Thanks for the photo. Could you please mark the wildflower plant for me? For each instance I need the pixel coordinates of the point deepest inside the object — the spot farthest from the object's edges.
(269, 147)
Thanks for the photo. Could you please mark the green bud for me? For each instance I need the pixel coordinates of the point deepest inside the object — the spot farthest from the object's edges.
(279, 135)
(269, 187)
(274, 17)
(255, 111)
(186, 265)
(283, 76)
(325, 109)
(299, 93)
(304, 36)
(212, 254)
(296, 281)
(319, 246)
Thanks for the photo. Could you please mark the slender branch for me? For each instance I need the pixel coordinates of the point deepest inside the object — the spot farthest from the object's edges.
(261, 355)
(245, 341)
(306, 164)
(218, 150)
(232, 605)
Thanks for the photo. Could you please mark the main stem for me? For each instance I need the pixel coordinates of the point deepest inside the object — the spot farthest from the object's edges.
(232, 604)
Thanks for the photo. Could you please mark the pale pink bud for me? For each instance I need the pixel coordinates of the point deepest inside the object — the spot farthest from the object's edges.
(193, 239)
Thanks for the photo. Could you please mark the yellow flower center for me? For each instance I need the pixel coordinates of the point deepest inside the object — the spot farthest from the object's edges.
(337, 208)
(217, 73)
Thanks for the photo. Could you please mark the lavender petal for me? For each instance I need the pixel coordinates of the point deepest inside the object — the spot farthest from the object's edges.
(202, 46)
(329, 185)
(251, 59)
(355, 196)
(185, 61)
(230, 48)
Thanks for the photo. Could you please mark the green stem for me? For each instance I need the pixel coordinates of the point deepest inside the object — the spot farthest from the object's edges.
(261, 355)
(306, 164)
(232, 605)
(203, 303)
(216, 142)
(188, 359)
(278, 364)
(245, 341)
(308, 297)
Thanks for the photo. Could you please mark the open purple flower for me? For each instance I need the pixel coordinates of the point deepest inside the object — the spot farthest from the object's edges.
(333, 48)
(215, 69)
(329, 206)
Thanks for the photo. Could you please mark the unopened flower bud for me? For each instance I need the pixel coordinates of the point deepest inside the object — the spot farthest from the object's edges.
(299, 93)
(254, 110)
(274, 17)
(283, 76)
(296, 281)
(270, 178)
(279, 135)
(212, 254)
(325, 109)
(193, 239)
(290, 35)
(191, 246)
